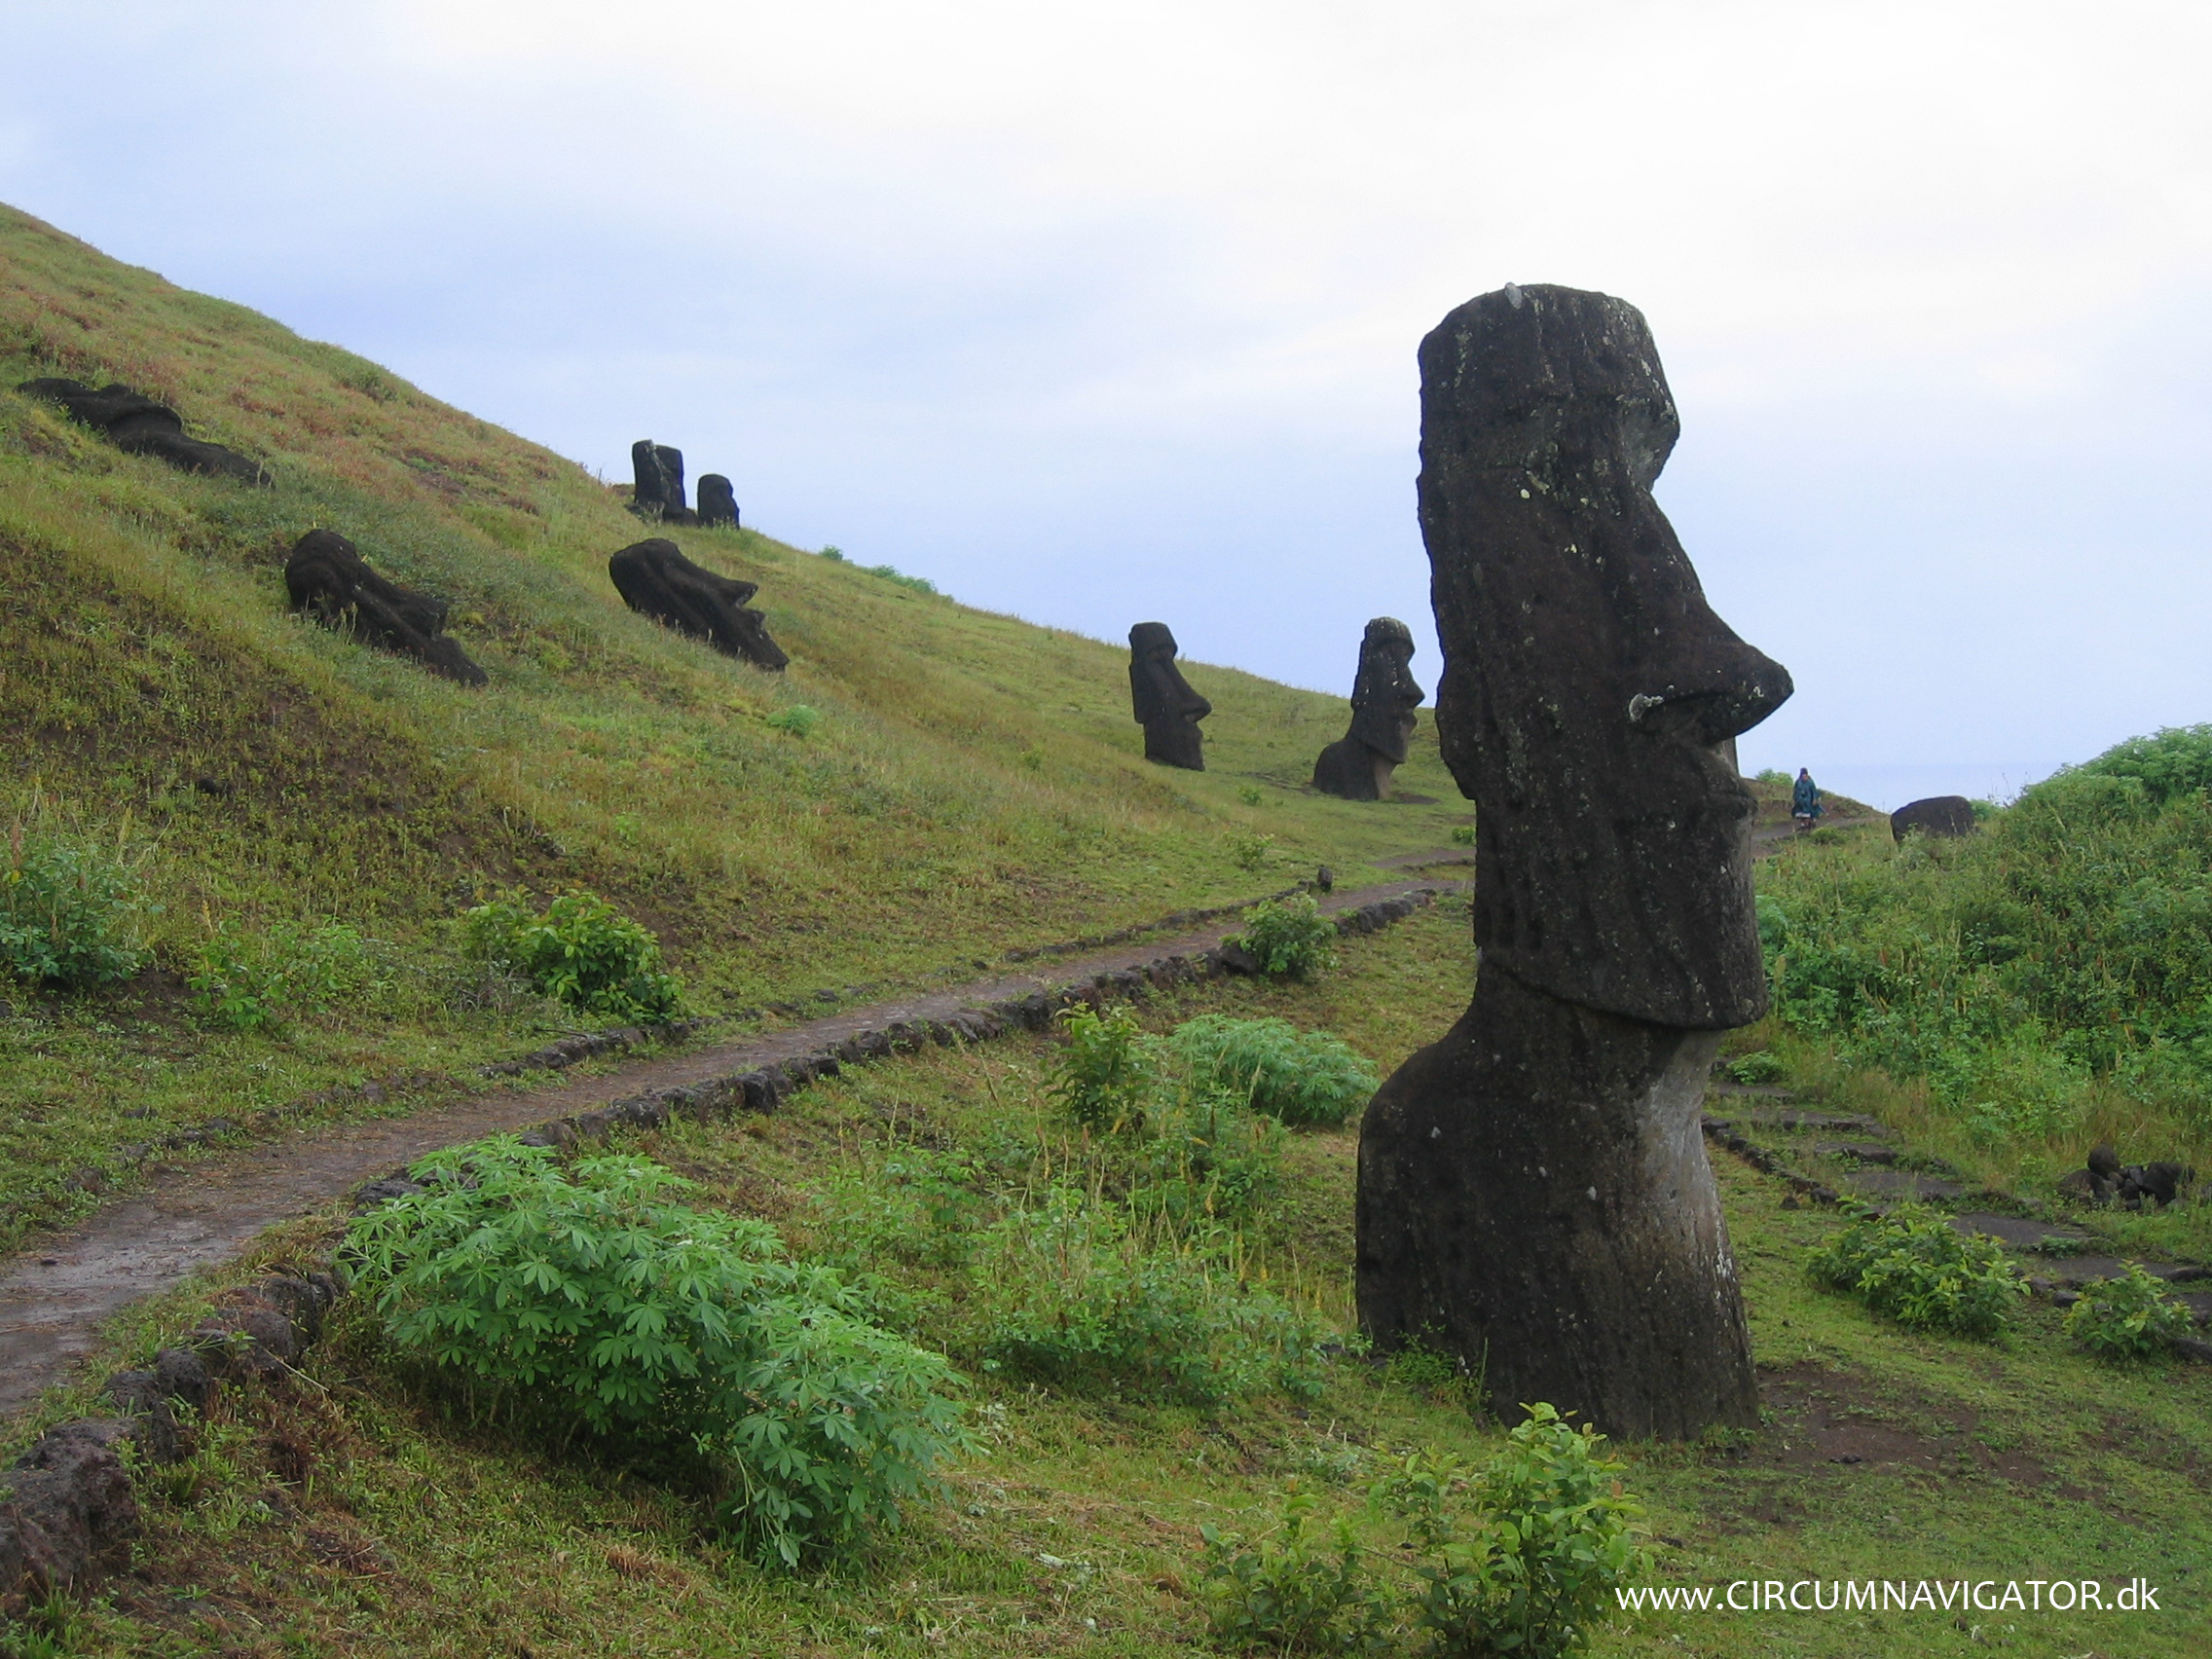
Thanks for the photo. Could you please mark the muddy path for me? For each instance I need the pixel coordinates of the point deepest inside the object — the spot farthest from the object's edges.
(56, 1295)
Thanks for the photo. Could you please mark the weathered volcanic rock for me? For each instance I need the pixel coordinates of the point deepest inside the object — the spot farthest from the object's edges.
(1534, 1192)
(1384, 697)
(1162, 700)
(717, 501)
(1938, 815)
(66, 1507)
(655, 579)
(142, 425)
(330, 582)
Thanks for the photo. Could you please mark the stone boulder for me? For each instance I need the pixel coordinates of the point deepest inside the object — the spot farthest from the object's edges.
(330, 582)
(1533, 1196)
(1359, 765)
(717, 503)
(1162, 701)
(140, 425)
(2105, 1180)
(1938, 815)
(66, 1507)
(655, 579)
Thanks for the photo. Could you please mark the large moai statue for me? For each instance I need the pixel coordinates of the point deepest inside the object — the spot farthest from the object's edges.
(1162, 700)
(658, 493)
(1534, 1192)
(329, 582)
(655, 579)
(138, 425)
(1384, 697)
(717, 501)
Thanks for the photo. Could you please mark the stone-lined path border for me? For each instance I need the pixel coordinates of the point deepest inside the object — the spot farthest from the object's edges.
(58, 1291)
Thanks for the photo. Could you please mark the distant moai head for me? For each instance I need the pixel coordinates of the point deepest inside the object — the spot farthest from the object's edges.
(1162, 700)
(1384, 693)
(717, 501)
(1588, 690)
(671, 478)
(649, 497)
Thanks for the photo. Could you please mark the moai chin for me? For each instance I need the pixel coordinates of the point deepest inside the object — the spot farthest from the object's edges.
(1534, 1192)
(1384, 697)
(1162, 700)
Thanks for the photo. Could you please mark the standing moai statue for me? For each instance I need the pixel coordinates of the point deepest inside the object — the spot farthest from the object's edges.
(1384, 697)
(658, 493)
(1533, 1194)
(1162, 700)
(717, 503)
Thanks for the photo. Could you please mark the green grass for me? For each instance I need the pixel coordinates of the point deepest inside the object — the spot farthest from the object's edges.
(972, 783)
(351, 1516)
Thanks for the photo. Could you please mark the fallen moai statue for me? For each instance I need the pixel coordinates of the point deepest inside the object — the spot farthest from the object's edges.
(1938, 815)
(2131, 1186)
(138, 425)
(1162, 700)
(655, 579)
(330, 582)
(658, 493)
(1384, 697)
(717, 503)
(1534, 1194)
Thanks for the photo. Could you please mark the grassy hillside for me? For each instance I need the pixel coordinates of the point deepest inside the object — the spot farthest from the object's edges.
(975, 783)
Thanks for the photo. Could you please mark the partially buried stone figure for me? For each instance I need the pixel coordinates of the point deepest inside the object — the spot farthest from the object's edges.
(137, 424)
(1533, 1193)
(1384, 697)
(655, 579)
(1162, 700)
(658, 491)
(330, 582)
(717, 501)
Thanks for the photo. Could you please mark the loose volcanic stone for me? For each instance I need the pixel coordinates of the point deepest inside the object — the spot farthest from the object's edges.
(1358, 766)
(655, 579)
(1162, 700)
(330, 582)
(140, 425)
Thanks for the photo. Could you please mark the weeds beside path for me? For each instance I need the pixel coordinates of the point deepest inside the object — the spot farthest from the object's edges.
(55, 1294)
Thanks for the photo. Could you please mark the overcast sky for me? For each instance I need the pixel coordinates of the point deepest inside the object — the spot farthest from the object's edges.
(1105, 312)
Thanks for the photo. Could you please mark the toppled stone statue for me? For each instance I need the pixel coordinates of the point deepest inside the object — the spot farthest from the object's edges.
(1384, 697)
(658, 493)
(2131, 1186)
(717, 501)
(1938, 815)
(1534, 1194)
(655, 579)
(330, 582)
(1164, 704)
(139, 426)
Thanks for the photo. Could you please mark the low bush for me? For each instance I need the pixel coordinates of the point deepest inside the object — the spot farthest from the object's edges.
(242, 981)
(1301, 1077)
(1104, 1069)
(1524, 1556)
(589, 1298)
(1463, 835)
(800, 720)
(69, 912)
(1249, 849)
(1079, 1299)
(580, 951)
(1207, 1157)
(1917, 1269)
(1298, 1588)
(1291, 939)
(1756, 1067)
(2128, 1317)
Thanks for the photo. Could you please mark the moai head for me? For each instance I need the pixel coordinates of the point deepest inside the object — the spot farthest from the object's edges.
(1162, 700)
(1384, 693)
(1587, 689)
(671, 478)
(650, 498)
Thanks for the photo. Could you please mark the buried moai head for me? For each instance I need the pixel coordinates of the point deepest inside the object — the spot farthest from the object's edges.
(1588, 690)
(1384, 697)
(655, 579)
(1162, 700)
(658, 493)
(717, 501)
(329, 582)
(140, 425)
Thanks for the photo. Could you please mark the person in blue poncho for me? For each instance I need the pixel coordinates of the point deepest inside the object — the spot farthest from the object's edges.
(1805, 800)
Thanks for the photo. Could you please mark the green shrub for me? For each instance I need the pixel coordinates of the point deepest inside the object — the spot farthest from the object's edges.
(68, 911)
(1757, 1067)
(1103, 1071)
(591, 1296)
(1917, 1269)
(1291, 939)
(1463, 834)
(1207, 1156)
(800, 720)
(1522, 1558)
(1296, 1588)
(580, 951)
(1249, 849)
(2127, 1317)
(243, 981)
(1306, 1077)
(1249, 794)
(891, 573)
(1080, 1300)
